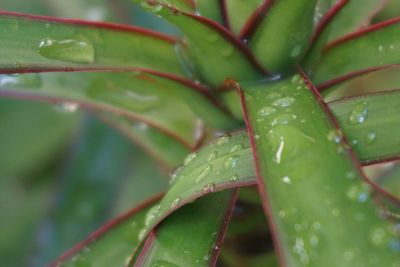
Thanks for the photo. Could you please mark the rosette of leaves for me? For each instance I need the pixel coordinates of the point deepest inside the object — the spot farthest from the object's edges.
(237, 101)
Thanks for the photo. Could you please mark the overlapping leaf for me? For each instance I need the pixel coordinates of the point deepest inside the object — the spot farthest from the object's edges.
(320, 216)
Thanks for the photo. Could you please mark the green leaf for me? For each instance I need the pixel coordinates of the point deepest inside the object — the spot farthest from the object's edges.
(101, 160)
(42, 43)
(137, 96)
(111, 245)
(210, 9)
(373, 47)
(355, 15)
(217, 54)
(319, 208)
(239, 11)
(197, 241)
(281, 38)
(370, 124)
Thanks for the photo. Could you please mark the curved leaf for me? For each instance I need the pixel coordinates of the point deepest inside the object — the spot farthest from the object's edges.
(112, 244)
(281, 37)
(137, 96)
(320, 216)
(44, 43)
(196, 242)
(217, 54)
(371, 48)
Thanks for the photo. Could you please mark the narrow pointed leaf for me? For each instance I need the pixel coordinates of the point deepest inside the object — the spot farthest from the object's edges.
(281, 37)
(355, 15)
(371, 48)
(112, 244)
(133, 95)
(44, 43)
(217, 54)
(196, 242)
(319, 216)
(239, 11)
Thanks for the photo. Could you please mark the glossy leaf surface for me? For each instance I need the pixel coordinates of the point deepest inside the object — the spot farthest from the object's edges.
(320, 216)
(111, 245)
(217, 54)
(197, 241)
(375, 46)
(45, 43)
(282, 36)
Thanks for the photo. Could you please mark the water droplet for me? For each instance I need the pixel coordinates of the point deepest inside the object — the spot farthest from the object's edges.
(236, 148)
(204, 173)
(370, 138)
(80, 261)
(67, 107)
(209, 188)
(286, 180)
(227, 51)
(151, 5)
(273, 95)
(76, 50)
(163, 263)
(295, 51)
(231, 162)
(266, 111)
(24, 81)
(378, 236)
(300, 250)
(296, 79)
(234, 178)
(349, 254)
(212, 156)
(189, 158)
(151, 215)
(175, 174)
(283, 119)
(358, 113)
(256, 136)
(175, 203)
(335, 136)
(223, 140)
(283, 102)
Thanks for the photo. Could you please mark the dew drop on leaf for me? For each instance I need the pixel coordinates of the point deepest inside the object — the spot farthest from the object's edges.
(189, 158)
(175, 203)
(359, 113)
(209, 188)
(75, 50)
(67, 107)
(284, 102)
(204, 173)
(236, 148)
(231, 162)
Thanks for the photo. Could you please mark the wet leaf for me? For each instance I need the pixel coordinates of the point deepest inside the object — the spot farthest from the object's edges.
(320, 216)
